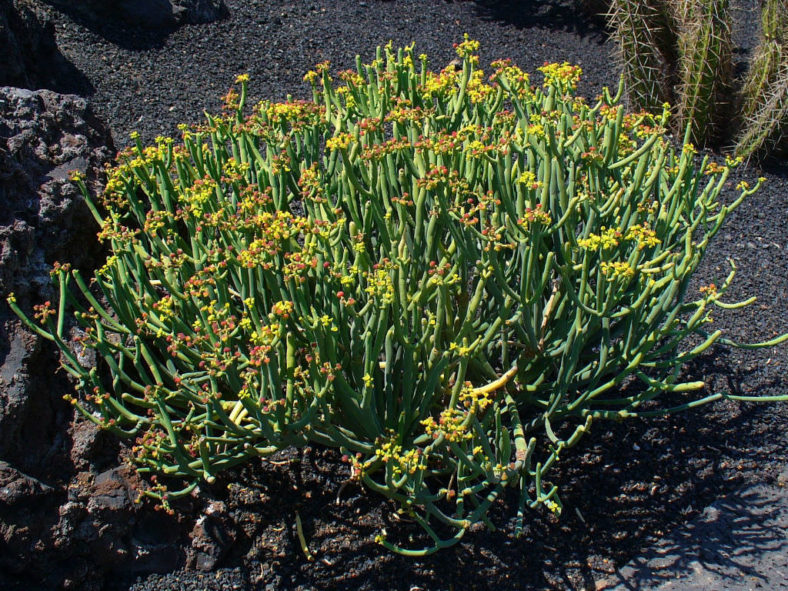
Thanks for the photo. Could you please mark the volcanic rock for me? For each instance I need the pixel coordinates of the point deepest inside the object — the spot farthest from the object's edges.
(212, 536)
(43, 136)
(67, 510)
(21, 527)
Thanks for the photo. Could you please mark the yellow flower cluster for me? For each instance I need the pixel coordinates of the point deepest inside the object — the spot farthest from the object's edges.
(327, 322)
(517, 80)
(451, 424)
(608, 239)
(690, 149)
(403, 112)
(283, 309)
(553, 506)
(475, 399)
(281, 225)
(340, 142)
(645, 236)
(278, 112)
(234, 169)
(617, 270)
(352, 78)
(388, 450)
(460, 350)
(408, 462)
(526, 178)
(467, 48)
(476, 90)
(714, 168)
(198, 196)
(108, 264)
(295, 112)
(439, 84)
(256, 254)
(214, 311)
(536, 129)
(536, 215)
(165, 308)
(564, 76)
(477, 148)
(312, 75)
(266, 336)
(311, 183)
(380, 285)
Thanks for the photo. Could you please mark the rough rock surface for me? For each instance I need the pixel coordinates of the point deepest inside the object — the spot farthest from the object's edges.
(43, 136)
(715, 550)
(211, 537)
(146, 13)
(66, 508)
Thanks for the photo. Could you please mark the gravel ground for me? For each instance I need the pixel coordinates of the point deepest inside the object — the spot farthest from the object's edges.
(738, 542)
(626, 487)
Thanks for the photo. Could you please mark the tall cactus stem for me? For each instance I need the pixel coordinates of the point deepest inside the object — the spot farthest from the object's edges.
(647, 43)
(705, 68)
(764, 95)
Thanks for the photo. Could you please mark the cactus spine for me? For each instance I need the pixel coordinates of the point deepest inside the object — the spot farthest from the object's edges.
(705, 64)
(764, 96)
(647, 43)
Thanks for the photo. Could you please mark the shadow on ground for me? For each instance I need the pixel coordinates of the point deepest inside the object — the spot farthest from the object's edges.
(737, 541)
(584, 19)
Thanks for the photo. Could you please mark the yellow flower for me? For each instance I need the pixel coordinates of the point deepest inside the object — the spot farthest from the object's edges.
(526, 178)
(645, 236)
(564, 76)
(553, 506)
(607, 239)
(340, 142)
(468, 47)
(619, 269)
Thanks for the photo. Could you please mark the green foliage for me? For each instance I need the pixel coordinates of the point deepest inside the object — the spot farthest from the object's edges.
(447, 277)
(764, 104)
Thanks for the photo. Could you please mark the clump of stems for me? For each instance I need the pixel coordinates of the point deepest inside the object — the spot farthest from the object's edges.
(446, 275)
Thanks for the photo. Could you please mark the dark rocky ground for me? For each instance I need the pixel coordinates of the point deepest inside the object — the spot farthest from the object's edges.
(69, 522)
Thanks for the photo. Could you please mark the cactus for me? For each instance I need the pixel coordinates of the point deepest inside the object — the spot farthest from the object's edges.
(705, 69)
(764, 95)
(677, 52)
(648, 51)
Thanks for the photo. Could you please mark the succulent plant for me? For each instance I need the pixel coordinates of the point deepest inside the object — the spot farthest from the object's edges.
(448, 277)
